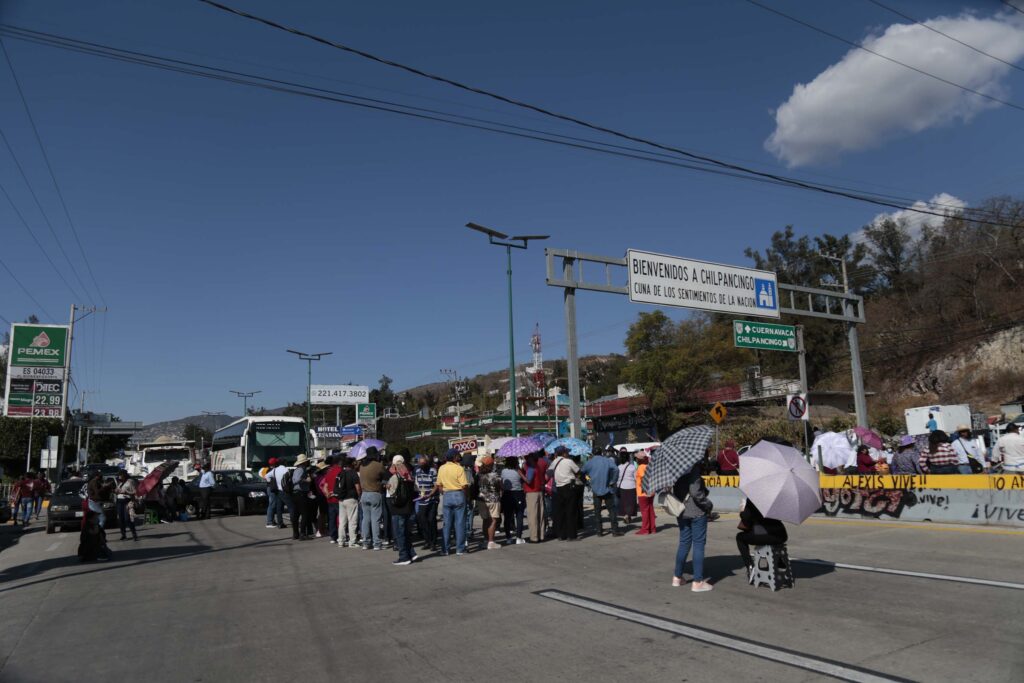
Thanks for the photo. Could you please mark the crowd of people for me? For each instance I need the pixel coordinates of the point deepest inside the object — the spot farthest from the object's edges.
(27, 495)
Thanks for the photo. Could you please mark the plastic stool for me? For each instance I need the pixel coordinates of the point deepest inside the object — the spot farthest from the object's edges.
(151, 516)
(771, 567)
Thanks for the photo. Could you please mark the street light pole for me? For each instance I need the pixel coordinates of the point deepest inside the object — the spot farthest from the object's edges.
(509, 242)
(245, 396)
(309, 358)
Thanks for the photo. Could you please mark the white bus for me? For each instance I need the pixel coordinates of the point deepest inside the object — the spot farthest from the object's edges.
(248, 443)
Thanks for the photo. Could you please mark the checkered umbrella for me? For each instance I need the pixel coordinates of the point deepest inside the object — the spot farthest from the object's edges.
(676, 456)
(520, 446)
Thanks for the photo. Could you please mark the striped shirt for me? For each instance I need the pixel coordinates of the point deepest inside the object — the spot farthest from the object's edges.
(944, 455)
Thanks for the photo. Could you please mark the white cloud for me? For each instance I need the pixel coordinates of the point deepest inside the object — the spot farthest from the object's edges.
(915, 222)
(863, 99)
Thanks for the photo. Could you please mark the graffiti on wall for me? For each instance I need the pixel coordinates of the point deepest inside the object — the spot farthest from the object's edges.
(867, 502)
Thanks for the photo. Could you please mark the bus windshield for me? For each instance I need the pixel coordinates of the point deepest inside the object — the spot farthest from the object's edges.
(281, 440)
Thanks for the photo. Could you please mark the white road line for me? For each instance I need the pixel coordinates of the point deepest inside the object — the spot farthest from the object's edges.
(922, 575)
(53, 546)
(782, 656)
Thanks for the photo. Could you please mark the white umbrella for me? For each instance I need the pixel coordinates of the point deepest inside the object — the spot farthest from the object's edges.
(780, 482)
(836, 450)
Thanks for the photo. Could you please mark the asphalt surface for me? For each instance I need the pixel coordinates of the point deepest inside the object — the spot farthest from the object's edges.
(229, 600)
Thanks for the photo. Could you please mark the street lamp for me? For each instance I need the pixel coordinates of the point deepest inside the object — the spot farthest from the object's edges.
(502, 240)
(209, 413)
(309, 358)
(245, 396)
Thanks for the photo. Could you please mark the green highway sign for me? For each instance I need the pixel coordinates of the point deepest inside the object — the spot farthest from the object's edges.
(366, 413)
(39, 345)
(748, 334)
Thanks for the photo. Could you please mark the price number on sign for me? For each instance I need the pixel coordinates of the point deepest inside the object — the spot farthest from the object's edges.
(47, 412)
(48, 400)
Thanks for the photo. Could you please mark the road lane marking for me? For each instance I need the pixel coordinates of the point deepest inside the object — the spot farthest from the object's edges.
(920, 575)
(917, 526)
(775, 654)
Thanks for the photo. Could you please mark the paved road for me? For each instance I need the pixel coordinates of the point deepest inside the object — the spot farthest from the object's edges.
(228, 600)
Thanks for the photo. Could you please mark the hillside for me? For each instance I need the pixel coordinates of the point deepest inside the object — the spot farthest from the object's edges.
(175, 428)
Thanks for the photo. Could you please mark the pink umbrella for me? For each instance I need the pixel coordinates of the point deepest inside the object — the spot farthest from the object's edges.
(153, 479)
(868, 437)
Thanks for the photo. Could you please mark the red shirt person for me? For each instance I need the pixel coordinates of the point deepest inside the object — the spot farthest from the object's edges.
(729, 459)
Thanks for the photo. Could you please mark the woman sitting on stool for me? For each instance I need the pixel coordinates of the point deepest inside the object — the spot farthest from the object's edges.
(756, 529)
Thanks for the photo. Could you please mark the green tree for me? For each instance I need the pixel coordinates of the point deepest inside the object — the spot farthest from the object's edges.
(14, 438)
(383, 396)
(670, 362)
(197, 433)
(892, 252)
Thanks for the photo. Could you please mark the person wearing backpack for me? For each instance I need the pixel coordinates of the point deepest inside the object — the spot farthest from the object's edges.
(347, 491)
(276, 482)
(401, 494)
(299, 482)
(326, 483)
(272, 491)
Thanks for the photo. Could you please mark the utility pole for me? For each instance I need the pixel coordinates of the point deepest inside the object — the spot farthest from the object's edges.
(502, 240)
(309, 358)
(802, 363)
(245, 396)
(88, 310)
(860, 404)
(458, 389)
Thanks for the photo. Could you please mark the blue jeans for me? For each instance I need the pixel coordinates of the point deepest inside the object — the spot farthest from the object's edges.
(96, 507)
(271, 506)
(125, 519)
(454, 516)
(692, 532)
(332, 521)
(25, 505)
(470, 511)
(401, 528)
(372, 505)
(283, 502)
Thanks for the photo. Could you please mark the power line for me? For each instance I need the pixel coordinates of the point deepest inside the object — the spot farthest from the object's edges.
(53, 176)
(1013, 7)
(860, 46)
(26, 290)
(32, 234)
(6, 320)
(564, 117)
(945, 35)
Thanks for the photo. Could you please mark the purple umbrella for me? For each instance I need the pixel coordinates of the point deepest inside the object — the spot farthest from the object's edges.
(520, 446)
(359, 450)
(868, 437)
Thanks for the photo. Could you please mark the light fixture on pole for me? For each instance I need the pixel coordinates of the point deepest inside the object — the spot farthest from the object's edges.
(309, 358)
(209, 413)
(509, 242)
(245, 396)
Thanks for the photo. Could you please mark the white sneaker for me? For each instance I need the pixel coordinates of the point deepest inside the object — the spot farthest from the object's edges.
(271, 526)
(493, 546)
(701, 587)
(520, 541)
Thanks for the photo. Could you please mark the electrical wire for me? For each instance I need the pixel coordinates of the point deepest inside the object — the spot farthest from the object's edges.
(26, 290)
(860, 46)
(5, 320)
(53, 176)
(945, 35)
(1013, 7)
(39, 244)
(564, 117)
(217, 73)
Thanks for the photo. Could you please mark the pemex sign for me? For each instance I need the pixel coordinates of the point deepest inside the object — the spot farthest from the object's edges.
(37, 370)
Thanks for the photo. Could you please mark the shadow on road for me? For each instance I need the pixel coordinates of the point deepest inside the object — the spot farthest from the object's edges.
(122, 559)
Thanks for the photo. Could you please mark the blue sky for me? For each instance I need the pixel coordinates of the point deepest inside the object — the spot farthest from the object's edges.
(226, 224)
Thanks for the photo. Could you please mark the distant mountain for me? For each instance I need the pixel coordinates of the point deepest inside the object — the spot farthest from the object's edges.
(175, 429)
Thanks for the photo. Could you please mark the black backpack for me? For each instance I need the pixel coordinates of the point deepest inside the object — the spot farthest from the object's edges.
(343, 485)
(287, 485)
(272, 481)
(403, 493)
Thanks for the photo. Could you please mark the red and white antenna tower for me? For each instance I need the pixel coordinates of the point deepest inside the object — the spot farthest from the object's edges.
(537, 376)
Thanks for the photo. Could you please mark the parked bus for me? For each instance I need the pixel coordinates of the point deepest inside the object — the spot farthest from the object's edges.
(248, 443)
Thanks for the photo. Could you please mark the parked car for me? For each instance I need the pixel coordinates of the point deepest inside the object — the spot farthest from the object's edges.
(236, 491)
(65, 509)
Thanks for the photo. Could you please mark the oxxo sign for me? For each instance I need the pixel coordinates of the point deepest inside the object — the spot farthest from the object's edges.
(37, 371)
(672, 281)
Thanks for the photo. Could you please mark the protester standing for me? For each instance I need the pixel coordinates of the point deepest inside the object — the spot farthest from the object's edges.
(273, 490)
(401, 494)
(728, 459)
(603, 476)
(533, 488)
(643, 498)
(301, 483)
(98, 492)
(371, 477)
(468, 462)
(425, 477)
(563, 471)
(489, 501)
(513, 501)
(25, 495)
(347, 491)
(939, 457)
(173, 498)
(1010, 449)
(693, 527)
(42, 490)
(124, 495)
(627, 487)
(967, 451)
(905, 460)
(454, 488)
(206, 484)
(327, 484)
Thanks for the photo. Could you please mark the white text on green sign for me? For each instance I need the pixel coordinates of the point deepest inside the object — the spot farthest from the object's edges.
(748, 334)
